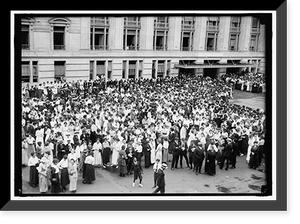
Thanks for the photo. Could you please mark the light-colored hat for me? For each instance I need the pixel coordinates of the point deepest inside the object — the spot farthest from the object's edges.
(43, 160)
(164, 166)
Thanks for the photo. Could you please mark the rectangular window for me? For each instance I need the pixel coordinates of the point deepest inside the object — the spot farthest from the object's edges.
(59, 38)
(160, 40)
(124, 70)
(255, 25)
(235, 24)
(188, 23)
(100, 66)
(109, 70)
(25, 72)
(169, 68)
(212, 23)
(59, 70)
(211, 41)
(131, 39)
(35, 71)
(253, 42)
(161, 22)
(91, 70)
(160, 69)
(25, 37)
(153, 69)
(233, 42)
(132, 69)
(132, 22)
(140, 69)
(186, 41)
(99, 21)
(99, 37)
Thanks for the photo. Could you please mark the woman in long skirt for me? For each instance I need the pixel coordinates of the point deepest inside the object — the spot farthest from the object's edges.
(122, 161)
(158, 151)
(73, 175)
(210, 161)
(165, 148)
(89, 169)
(115, 149)
(33, 163)
(147, 152)
(253, 162)
(24, 153)
(152, 151)
(55, 186)
(106, 152)
(97, 147)
(31, 145)
(43, 180)
(64, 174)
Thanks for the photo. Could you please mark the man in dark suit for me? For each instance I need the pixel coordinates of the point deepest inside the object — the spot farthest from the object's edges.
(199, 157)
(227, 153)
(175, 147)
(160, 182)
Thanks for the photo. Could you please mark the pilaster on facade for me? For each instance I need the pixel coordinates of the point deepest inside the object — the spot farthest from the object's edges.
(244, 38)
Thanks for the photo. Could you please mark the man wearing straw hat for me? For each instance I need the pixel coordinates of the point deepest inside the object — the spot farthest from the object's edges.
(160, 181)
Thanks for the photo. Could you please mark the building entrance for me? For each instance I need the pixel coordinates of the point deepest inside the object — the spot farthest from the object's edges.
(211, 72)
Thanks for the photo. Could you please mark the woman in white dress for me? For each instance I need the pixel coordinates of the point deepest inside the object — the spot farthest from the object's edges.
(97, 147)
(116, 147)
(42, 170)
(24, 153)
(39, 134)
(152, 145)
(158, 151)
(73, 176)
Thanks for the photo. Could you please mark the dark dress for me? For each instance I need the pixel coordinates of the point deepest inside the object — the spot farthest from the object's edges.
(253, 162)
(55, 187)
(199, 157)
(147, 153)
(105, 155)
(122, 162)
(89, 173)
(33, 176)
(64, 178)
(244, 144)
(210, 162)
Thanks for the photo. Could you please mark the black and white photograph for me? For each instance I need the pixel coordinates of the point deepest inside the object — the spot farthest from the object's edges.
(154, 104)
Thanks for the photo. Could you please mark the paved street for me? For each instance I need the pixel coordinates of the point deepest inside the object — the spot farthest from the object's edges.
(239, 180)
(253, 100)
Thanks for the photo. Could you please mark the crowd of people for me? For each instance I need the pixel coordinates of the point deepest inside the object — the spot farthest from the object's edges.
(72, 128)
(247, 81)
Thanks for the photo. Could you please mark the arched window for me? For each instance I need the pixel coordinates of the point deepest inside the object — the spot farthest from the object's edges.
(59, 27)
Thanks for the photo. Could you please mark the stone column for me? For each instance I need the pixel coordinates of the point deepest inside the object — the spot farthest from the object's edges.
(245, 34)
(174, 34)
(223, 36)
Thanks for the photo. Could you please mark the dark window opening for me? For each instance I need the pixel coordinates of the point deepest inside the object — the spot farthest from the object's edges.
(35, 73)
(25, 37)
(25, 72)
(59, 38)
(132, 70)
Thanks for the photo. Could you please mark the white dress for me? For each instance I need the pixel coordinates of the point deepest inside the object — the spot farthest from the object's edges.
(39, 134)
(152, 155)
(97, 154)
(116, 146)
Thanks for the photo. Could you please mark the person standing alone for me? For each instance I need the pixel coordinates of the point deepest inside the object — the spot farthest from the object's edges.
(160, 182)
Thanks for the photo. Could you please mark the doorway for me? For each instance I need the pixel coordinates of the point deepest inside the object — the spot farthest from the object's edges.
(211, 72)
